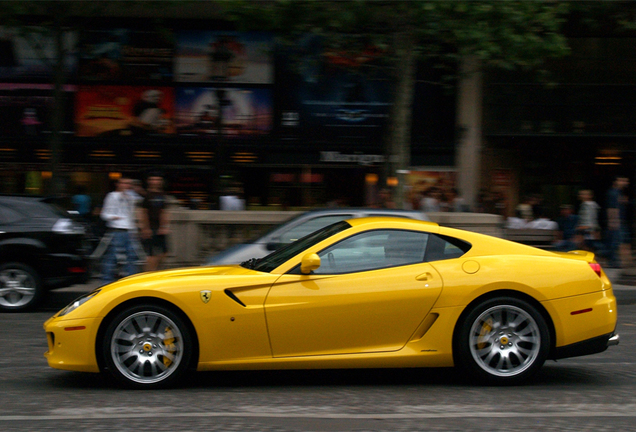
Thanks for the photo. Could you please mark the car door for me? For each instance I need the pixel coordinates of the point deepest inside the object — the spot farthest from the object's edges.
(370, 293)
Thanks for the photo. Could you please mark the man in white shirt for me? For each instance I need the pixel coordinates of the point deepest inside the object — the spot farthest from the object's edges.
(119, 213)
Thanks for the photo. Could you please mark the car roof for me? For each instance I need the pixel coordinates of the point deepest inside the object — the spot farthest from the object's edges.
(400, 220)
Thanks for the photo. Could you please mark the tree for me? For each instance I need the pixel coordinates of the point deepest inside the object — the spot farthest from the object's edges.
(507, 34)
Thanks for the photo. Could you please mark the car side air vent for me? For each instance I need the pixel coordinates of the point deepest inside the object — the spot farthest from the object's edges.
(231, 295)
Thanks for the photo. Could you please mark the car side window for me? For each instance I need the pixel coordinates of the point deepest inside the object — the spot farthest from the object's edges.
(373, 250)
(309, 226)
(442, 248)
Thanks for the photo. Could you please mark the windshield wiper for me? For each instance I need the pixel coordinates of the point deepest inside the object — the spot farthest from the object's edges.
(250, 263)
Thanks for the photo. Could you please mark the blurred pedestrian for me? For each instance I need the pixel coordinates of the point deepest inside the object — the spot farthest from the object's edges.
(538, 207)
(542, 222)
(626, 238)
(524, 209)
(82, 203)
(154, 223)
(118, 212)
(430, 200)
(588, 229)
(136, 191)
(485, 202)
(615, 208)
(567, 222)
(456, 202)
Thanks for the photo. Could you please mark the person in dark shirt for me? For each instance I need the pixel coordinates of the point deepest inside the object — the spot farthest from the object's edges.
(567, 229)
(154, 223)
(615, 208)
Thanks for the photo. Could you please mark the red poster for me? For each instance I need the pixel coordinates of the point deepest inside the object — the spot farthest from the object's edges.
(124, 111)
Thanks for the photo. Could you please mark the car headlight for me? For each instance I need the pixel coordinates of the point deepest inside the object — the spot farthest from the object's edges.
(78, 302)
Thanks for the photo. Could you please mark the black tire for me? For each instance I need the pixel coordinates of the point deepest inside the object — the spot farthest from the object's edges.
(20, 287)
(156, 352)
(502, 341)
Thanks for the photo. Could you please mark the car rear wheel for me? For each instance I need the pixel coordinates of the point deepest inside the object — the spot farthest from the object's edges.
(502, 341)
(20, 287)
(147, 346)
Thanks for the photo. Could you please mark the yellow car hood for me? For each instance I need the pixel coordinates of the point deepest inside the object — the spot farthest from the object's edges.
(224, 270)
(173, 285)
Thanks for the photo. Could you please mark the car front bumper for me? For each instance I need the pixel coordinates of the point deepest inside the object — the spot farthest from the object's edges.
(72, 344)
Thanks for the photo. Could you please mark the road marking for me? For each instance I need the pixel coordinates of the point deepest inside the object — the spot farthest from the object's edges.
(318, 412)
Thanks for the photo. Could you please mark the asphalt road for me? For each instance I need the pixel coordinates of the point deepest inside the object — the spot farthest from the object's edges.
(594, 393)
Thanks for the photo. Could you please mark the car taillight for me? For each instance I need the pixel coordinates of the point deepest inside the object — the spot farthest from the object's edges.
(597, 268)
(77, 270)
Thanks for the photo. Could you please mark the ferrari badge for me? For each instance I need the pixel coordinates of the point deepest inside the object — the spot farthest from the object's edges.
(205, 296)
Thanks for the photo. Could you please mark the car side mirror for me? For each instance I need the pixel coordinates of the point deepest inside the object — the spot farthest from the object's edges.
(309, 263)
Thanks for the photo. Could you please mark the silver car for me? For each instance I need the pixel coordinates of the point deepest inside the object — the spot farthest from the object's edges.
(299, 227)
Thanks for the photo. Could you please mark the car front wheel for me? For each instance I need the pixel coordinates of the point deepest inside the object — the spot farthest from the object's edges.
(502, 341)
(147, 346)
(20, 287)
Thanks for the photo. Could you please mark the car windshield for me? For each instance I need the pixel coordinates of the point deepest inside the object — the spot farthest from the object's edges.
(275, 259)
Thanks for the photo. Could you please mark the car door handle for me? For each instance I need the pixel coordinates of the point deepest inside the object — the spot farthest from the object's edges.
(424, 277)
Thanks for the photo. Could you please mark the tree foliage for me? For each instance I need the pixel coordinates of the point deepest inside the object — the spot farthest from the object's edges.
(502, 33)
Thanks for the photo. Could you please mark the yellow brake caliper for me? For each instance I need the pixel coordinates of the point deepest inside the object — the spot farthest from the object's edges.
(168, 342)
(486, 328)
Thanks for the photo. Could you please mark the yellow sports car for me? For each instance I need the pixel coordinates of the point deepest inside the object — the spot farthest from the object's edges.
(362, 293)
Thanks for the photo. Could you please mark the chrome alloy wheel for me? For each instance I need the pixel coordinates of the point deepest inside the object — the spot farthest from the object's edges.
(147, 347)
(18, 288)
(505, 340)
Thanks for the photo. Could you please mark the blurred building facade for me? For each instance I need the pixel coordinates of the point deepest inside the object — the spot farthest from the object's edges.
(211, 107)
(576, 132)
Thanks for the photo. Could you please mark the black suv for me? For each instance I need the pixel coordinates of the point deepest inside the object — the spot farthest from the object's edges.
(41, 248)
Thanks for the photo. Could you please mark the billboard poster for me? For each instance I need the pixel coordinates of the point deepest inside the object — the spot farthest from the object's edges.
(125, 55)
(124, 111)
(236, 57)
(26, 109)
(28, 56)
(246, 111)
(337, 95)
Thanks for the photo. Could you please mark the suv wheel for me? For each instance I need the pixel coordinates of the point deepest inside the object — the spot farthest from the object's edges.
(20, 287)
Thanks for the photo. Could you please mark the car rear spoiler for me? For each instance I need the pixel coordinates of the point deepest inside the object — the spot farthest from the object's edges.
(579, 254)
